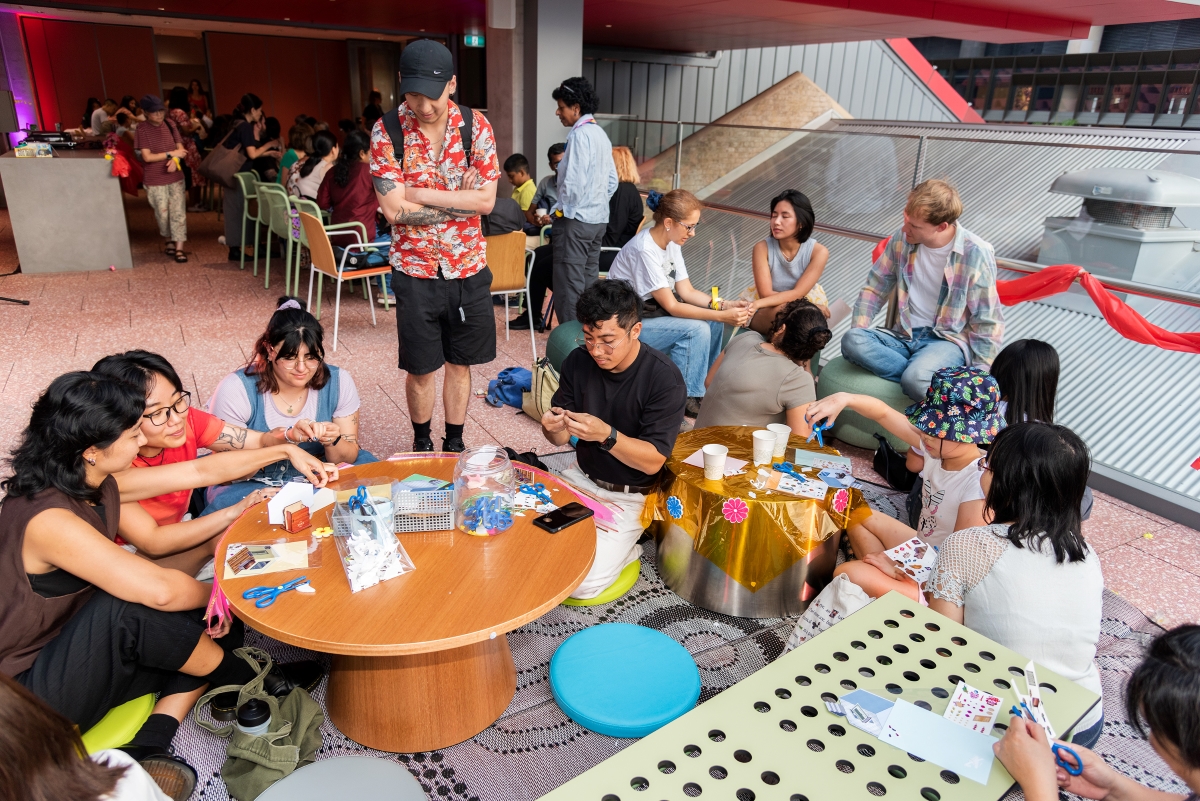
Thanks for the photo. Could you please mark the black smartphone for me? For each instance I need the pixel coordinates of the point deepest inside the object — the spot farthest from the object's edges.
(562, 517)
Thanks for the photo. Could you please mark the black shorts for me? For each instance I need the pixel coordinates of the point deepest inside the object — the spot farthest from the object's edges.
(113, 651)
(441, 320)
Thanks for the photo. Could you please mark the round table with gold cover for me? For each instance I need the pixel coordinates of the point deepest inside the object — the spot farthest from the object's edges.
(732, 548)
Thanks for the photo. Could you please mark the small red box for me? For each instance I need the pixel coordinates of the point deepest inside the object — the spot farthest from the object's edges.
(296, 517)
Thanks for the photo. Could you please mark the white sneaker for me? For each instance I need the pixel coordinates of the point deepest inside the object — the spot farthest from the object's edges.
(221, 239)
(390, 299)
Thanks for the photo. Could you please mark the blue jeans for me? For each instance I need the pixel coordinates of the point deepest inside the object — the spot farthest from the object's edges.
(692, 344)
(225, 495)
(1089, 737)
(909, 362)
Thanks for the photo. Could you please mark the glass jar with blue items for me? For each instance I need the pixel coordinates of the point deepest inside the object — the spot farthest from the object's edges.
(364, 529)
(484, 485)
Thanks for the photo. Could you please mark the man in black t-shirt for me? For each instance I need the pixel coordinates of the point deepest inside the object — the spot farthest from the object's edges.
(624, 401)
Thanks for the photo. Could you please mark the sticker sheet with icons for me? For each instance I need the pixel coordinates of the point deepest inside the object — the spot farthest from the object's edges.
(973, 709)
(916, 558)
(794, 485)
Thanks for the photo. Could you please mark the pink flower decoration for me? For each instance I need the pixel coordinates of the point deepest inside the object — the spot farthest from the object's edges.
(735, 510)
(841, 499)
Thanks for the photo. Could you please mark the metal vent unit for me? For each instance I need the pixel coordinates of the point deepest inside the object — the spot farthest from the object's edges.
(1126, 228)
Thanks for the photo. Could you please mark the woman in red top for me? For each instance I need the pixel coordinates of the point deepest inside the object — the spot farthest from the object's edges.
(347, 188)
(174, 433)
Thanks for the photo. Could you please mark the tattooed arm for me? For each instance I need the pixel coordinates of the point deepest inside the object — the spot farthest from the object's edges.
(236, 438)
(346, 449)
(472, 199)
(401, 211)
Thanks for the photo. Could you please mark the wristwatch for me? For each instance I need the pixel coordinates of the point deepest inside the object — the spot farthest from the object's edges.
(607, 445)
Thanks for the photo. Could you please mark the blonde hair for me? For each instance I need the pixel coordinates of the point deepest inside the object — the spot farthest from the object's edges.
(627, 171)
(675, 205)
(934, 201)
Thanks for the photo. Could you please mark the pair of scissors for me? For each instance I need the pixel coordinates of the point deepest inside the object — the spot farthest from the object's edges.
(538, 491)
(361, 502)
(266, 595)
(1075, 766)
(818, 431)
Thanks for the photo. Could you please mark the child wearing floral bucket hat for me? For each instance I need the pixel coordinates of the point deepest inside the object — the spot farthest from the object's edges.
(960, 412)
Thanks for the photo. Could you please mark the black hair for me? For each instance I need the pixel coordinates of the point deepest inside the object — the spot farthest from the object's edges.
(604, 300)
(1039, 474)
(1163, 693)
(125, 102)
(375, 93)
(92, 105)
(198, 84)
(287, 330)
(346, 126)
(271, 129)
(138, 367)
(248, 103)
(1027, 373)
(323, 143)
(178, 98)
(805, 330)
(77, 411)
(355, 145)
(802, 207)
(577, 92)
(516, 162)
(555, 149)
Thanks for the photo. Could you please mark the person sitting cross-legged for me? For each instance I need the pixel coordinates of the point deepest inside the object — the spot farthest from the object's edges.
(624, 401)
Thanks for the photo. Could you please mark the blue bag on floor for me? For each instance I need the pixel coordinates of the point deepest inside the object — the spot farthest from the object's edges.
(506, 388)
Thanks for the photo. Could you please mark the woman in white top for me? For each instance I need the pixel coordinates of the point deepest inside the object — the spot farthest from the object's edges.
(788, 265)
(312, 171)
(677, 318)
(1029, 581)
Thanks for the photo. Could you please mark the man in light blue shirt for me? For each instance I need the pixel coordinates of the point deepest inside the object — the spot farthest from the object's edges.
(587, 178)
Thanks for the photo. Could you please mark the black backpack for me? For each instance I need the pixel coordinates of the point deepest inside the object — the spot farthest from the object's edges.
(391, 126)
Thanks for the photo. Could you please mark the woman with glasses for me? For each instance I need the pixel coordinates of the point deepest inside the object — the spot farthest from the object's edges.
(288, 390)
(678, 319)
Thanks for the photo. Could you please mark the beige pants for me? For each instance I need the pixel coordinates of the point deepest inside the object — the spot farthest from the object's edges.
(170, 210)
(616, 543)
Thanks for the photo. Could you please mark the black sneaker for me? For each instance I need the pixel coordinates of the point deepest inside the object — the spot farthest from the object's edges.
(521, 323)
(423, 445)
(235, 254)
(176, 778)
(692, 409)
(279, 682)
(453, 445)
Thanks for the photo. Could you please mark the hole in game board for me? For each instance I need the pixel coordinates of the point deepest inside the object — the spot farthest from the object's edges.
(691, 790)
(900, 649)
(815, 745)
(639, 783)
(829, 698)
(971, 666)
(718, 772)
(866, 672)
(942, 652)
(692, 750)
(883, 660)
(666, 766)
(803, 681)
(744, 794)
(742, 756)
(891, 624)
(844, 765)
(770, 777)
(949, 777)
(930, 794)
(875, 788)
(762, 706)
(808, 711)
(1001, 684)
(716, 735)
(846, 684)
(940, 692)
(912, 675)
(958, 641)
(924, 705)
(788, 725)
(875, 635)
(916, 637)
(839, 656)
(836, 730)
(858, 646)
(865, 750)
(928, 664)
(821, 668)
(782, 693)
(987, 656)
(933, 627)
(897, 771)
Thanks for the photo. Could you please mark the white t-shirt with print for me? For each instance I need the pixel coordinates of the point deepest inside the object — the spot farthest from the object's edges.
(647, 266)
(942, 492)
(929, 272)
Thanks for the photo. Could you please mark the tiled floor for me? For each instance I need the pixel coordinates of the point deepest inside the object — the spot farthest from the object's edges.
(205, 315)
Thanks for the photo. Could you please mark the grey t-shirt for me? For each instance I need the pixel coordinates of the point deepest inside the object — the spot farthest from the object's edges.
(754, 387)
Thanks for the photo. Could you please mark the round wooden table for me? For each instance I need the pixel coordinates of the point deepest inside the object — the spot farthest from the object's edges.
(420, 662)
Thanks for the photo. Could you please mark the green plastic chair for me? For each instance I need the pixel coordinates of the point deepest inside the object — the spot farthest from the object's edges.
(279, 222)
(624, 582)
(355, 230)
(247, 184)
(119, 726)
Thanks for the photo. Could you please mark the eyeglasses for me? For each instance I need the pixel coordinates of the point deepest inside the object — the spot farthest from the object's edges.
(160, 416)
(603, 348)
(292, 362)
(691, 229)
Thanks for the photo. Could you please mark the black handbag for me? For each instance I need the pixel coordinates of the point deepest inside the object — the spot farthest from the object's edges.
(889, 463)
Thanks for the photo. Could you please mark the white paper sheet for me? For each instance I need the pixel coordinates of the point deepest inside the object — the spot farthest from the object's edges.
(288, 494)
(732, 466)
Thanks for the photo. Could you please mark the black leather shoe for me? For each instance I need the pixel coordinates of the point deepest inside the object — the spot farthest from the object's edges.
(235, 254)
(176, 778)
(692, 409)
(423, 445)
(279, 682)
(453, 445)
(521, 323)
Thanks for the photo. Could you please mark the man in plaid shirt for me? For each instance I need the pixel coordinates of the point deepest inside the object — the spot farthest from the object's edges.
(945, 281)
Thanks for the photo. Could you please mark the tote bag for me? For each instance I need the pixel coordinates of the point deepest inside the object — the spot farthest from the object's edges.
(222, 163)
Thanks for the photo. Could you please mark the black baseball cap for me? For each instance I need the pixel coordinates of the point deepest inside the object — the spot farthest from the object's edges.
(426, 67)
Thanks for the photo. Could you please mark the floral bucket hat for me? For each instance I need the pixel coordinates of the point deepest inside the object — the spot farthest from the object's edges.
(960, 405)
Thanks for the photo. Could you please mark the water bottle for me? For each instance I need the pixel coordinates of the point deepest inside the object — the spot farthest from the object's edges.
(254, 717)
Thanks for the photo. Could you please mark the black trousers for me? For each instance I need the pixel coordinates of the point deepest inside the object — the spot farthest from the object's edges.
(541, 276)
(113, 651)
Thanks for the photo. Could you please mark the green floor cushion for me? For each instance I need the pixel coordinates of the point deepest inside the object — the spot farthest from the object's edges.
(839, 375)
(561, 342)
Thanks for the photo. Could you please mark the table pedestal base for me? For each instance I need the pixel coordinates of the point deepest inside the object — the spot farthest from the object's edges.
(421, 702)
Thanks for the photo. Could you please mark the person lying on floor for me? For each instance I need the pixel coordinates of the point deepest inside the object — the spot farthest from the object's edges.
(1162, 700)
(958, 414)
(288, 386)
(757, 381)
(86, 625)
(624, 401)
(174, 431)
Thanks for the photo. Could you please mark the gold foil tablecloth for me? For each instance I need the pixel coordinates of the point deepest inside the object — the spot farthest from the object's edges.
(776, 529)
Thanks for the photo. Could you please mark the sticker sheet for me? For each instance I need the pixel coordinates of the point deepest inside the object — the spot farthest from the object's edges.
(915, 557)
(793, 485)
(821, 461)
(973, 709)
(837, 477)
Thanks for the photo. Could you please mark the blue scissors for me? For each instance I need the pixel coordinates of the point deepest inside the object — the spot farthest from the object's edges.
(538, 491)
(818, 431)
(1074, 767)
(361, 502)
(267, 595)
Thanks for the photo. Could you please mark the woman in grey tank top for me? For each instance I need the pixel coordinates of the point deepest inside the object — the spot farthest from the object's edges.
(788, 264)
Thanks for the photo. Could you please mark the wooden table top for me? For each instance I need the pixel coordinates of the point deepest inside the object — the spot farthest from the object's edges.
(464, 589)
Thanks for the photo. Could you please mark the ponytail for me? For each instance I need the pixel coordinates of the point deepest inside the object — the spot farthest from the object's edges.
(248, 103)
(805, 330)
(355, 145)
(323, 143)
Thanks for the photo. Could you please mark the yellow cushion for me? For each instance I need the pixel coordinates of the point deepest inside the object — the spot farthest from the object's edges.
(120, 724)
(627, 579)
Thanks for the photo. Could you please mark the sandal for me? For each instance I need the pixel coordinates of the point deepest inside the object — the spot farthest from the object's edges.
(180, 257)
(169, 249)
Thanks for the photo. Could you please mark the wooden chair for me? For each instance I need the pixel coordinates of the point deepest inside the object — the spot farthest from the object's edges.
(352, 229)
(322, 260)
(510, 263)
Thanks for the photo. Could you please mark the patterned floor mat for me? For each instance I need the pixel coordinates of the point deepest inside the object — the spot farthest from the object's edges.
(534, 747)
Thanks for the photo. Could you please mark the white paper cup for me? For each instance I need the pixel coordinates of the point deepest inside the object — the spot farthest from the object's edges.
(764, 446)
(782, 433)
(714, 461)
(540, 213)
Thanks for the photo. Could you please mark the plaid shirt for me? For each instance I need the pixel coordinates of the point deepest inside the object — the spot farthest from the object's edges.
(968, 312)
(456, 246)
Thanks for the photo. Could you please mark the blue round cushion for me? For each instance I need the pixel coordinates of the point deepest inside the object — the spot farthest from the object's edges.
(622, 680)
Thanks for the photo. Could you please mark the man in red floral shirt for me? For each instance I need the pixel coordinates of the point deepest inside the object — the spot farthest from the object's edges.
(433, 194)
